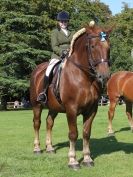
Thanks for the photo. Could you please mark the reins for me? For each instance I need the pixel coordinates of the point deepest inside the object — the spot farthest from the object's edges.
(81, 67)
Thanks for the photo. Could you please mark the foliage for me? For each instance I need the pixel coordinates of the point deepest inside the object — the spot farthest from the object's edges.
(122, 41)
(25, 28)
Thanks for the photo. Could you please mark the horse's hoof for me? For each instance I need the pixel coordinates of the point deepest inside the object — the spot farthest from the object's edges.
(88, 164)
(111, 134)
(74, 166)
(52, 151)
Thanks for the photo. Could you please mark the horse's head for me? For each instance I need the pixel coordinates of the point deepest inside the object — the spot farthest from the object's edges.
(98, 47)
(93, 47)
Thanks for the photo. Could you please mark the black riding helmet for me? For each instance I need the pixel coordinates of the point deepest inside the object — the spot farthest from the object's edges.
(63, 16)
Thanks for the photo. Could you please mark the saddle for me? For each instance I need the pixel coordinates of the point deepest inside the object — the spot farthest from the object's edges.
(54, 79)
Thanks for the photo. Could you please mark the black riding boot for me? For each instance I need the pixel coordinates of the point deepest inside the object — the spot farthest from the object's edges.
(42, 97)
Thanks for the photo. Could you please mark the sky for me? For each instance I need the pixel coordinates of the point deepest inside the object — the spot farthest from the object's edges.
(116, 5)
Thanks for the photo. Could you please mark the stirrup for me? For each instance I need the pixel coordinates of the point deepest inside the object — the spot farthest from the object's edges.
(42, 97)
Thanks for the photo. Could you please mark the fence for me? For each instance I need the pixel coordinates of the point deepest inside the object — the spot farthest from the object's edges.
(12, 105)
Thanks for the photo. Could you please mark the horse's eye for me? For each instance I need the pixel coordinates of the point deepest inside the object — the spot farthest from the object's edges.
(92, 46)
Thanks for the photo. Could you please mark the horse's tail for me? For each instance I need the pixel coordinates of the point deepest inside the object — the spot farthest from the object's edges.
(37, 81)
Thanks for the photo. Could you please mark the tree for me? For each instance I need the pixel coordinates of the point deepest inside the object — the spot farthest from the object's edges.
(122, 41)
(24, 39)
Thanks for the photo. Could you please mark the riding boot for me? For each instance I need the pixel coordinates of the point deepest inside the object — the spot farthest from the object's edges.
(42, 97)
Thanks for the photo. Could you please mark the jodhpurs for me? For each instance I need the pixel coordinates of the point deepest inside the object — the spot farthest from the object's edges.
(51, 65)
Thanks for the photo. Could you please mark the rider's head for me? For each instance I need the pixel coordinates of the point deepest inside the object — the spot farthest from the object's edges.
(63, 16)
(63, 19)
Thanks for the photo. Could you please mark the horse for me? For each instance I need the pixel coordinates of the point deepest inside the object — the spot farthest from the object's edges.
(83, 74)
(120, 85)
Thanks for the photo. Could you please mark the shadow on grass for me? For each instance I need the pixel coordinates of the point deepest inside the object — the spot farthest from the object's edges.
(109, 145)
(123, 129)
(106, 145)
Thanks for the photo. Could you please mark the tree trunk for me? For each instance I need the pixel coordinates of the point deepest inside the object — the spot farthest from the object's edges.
(3, 105)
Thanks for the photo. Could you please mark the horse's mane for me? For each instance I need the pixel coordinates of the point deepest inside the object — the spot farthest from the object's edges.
(77, 34)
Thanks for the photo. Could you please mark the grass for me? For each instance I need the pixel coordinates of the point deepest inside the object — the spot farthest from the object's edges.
(113, 157)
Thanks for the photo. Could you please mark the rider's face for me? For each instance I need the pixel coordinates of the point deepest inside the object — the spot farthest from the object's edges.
(63, 24)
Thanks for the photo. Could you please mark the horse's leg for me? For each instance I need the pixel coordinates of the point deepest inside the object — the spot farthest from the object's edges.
(111, 111)
(87, 121)
(49, 125)
(129, 113)
(37, 109)
(73, 135)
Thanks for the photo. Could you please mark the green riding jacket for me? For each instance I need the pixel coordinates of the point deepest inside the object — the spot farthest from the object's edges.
(59, 42)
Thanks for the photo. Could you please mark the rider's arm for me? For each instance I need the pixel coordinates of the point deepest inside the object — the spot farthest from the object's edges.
(54, 43)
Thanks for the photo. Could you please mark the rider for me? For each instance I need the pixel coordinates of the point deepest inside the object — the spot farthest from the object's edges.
(60, 42)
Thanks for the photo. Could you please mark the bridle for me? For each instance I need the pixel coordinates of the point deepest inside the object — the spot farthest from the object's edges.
(91, 68)
(91, 61)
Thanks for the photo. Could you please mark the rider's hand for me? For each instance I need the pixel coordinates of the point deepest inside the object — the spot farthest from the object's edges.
(64, 53)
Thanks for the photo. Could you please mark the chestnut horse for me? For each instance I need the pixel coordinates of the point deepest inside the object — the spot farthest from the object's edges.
(81, 79)
(120, 84)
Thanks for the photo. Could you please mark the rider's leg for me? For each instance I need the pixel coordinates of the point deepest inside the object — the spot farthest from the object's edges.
(42, 96)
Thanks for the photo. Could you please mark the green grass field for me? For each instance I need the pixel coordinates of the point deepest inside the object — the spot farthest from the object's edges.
(113, 157)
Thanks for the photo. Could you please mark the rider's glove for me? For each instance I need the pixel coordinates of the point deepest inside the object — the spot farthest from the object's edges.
(64, 53)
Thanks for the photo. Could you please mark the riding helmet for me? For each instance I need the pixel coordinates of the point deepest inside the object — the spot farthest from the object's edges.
(63, 16)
